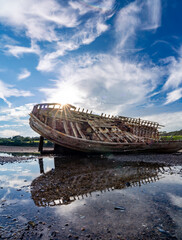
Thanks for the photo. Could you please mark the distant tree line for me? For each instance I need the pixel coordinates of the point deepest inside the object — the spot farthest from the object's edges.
(23, 141)
(175, 135)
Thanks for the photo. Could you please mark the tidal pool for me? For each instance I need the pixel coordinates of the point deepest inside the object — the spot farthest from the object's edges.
(96, 197)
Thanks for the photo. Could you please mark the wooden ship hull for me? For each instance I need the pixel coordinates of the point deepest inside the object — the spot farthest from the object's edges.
(86, 132)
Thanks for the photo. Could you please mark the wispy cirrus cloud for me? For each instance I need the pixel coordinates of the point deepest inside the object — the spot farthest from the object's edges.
(152, 14)
(49, 14)
(7, 91)
(173, 96)
(24, 74)
(53, 17)
(18, 51)
(84, 35)
(108, 86)
(136, 16)
(173, 84)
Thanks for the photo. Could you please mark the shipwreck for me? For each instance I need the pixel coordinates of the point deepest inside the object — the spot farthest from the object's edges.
(82, 131)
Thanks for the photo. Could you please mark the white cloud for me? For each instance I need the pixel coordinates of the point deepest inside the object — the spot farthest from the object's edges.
(175, 74)
(45, 20)
(173, 83)
(38, 20)
(7, 91)
(174, 96)
(172, 120)
(17, 112)
(126, 24)
(84, 35)
(16, 121)
(93, 82)
(24, 74)
(136, 16)
(10, 125)
(9, 133)
(153, 10)
(17, 51)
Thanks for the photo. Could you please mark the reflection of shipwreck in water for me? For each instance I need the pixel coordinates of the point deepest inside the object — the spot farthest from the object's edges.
(71, 180)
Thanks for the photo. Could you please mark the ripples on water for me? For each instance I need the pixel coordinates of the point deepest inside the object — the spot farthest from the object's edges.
(94, 197)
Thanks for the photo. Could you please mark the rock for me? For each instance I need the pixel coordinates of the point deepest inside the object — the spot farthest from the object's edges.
(162, 230)
(53, 234)
(128, 184)
(122, 209)
(83, 229)
(32, 224)
(66, 224)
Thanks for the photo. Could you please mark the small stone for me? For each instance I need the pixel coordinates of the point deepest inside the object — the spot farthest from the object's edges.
(122, 209)
(32, 224)
(83, 229)
(69, 236)
(66, 224)
(128, 184)
(88, 235)
(53, 234)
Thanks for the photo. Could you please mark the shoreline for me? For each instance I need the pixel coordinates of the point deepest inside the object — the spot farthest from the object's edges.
(10, 154)
(20, 149)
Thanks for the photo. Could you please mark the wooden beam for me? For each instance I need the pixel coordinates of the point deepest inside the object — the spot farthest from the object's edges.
(41, 143)
(79, 130)
(96, 131)
(66, 127)
(74, 129)
(105, 134)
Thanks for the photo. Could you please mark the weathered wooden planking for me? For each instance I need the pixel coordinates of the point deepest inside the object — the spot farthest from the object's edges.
(95, 130)
(74, 129)
(65, 125)
(79, 130)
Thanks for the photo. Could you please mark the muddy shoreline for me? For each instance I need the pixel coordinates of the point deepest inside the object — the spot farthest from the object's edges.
(132, 196)
(17, 154)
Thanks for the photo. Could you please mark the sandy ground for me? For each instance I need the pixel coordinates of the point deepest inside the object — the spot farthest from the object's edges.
(25, 153)
(17, 149)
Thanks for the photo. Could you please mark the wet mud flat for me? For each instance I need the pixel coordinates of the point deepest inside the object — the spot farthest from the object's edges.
(93, 197)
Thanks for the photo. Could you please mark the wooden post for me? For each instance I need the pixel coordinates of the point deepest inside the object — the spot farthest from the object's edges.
(41, 143)
(41, 165)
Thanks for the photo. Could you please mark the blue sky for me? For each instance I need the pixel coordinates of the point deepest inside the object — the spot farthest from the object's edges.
(119, 57)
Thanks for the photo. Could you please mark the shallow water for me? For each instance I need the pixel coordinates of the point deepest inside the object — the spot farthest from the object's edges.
(90, 198)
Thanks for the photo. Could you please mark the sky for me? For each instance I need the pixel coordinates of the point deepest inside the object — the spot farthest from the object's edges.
(118, 57)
